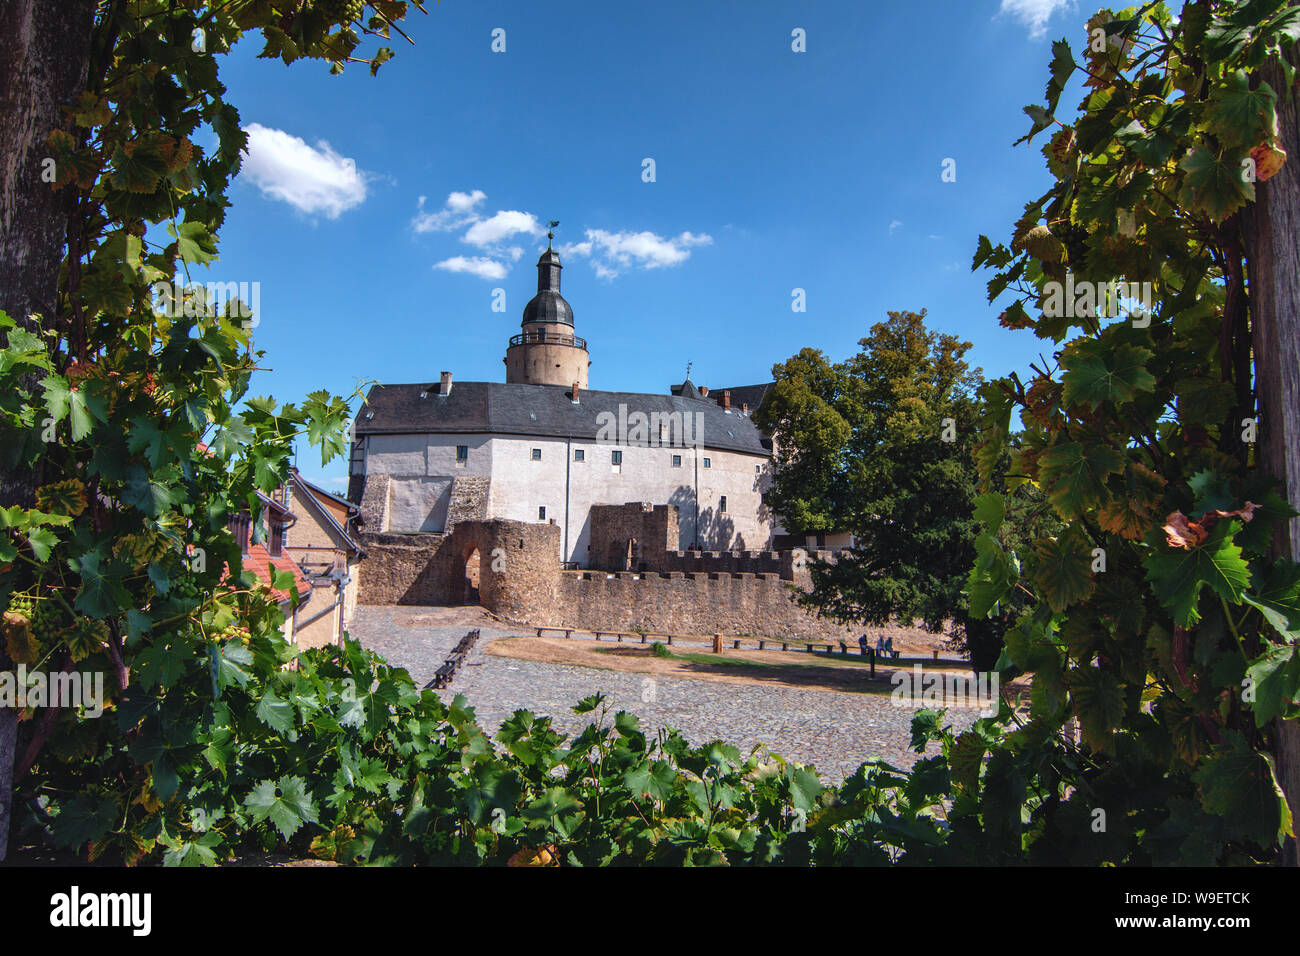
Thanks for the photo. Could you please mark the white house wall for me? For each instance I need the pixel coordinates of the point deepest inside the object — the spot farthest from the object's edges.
(422, 466)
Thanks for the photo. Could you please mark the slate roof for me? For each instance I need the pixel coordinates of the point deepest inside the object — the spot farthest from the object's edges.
(540, 410)
(311, 495)
(751, 395)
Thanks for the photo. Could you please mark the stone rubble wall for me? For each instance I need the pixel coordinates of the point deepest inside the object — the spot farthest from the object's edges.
(521, 579)
(759, 605)
(469, 499)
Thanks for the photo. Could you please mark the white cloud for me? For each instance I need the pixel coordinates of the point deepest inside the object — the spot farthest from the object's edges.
(311, 179)
(480, 266)
(464, 202)
(609, 252)
(1034, 13)
(612, 251)
(457, 211)
(490, 234)
(506, 223)
(895, 224)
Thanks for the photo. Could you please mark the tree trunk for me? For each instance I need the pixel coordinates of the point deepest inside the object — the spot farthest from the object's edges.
(1272, 233)
(44, 61)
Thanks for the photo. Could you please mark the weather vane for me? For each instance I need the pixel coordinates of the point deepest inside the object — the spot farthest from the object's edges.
(688, 370)
(550, 233)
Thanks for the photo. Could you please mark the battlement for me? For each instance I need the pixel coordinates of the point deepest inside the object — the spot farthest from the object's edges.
(640, 536)
(513, 568)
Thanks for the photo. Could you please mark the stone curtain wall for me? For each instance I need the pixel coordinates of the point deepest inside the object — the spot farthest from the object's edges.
(520, 579)
(404, 569)
(469, 499)
(653, 527)
(374, 504)
(760, 605)
(519, 565)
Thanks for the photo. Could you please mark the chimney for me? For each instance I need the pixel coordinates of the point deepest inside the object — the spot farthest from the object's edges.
(704, 391)
(446, 384)
(575, 393)
(726, 401)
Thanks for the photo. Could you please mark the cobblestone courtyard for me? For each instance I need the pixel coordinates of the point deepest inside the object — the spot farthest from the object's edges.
(833, 731)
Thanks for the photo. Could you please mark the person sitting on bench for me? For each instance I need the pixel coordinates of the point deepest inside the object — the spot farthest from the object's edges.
(862, 644)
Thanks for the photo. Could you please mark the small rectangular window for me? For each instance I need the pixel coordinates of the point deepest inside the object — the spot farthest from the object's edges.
(541, 513)
(757, 469)
(537, 454)
(579, 454)
(708, 463)
(462, 452)
(616, 458)
(677, 461)
(722, 505)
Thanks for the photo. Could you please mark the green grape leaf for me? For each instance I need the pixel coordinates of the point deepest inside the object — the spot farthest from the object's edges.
(1238, 784)
(195, 242)
(1063, 569)
(651, 779)
(1275, 676)
(1096, 374)
(1177, 575)
(284, 802)
(1098, 701)
(1238, 114)
(276, 713)
(1281, 592)
(1213, 186)
(1074, 475)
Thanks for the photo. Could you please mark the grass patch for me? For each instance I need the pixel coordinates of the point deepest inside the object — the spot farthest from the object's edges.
(728, 661)
(659, 649)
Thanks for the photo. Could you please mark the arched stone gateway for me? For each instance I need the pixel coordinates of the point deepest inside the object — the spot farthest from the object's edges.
(473, 576)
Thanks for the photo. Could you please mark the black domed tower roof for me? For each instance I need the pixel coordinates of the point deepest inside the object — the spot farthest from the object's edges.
(548, 305)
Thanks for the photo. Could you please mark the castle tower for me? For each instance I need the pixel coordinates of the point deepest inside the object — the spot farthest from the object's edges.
(547, 352)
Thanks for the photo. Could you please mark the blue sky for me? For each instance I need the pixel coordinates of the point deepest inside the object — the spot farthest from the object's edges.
(774, 170)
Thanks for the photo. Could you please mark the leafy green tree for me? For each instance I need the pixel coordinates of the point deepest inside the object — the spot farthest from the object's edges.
(881, 445)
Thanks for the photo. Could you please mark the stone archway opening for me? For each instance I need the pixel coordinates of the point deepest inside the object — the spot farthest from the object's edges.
(473, 572)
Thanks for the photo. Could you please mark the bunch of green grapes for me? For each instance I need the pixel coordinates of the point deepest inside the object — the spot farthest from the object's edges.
(186, 587)
(343, 11)
(46, 617)
(230, 633)
(43, 616)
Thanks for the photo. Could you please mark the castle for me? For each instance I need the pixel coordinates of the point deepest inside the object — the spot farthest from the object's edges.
(555, 504)
(543, 447)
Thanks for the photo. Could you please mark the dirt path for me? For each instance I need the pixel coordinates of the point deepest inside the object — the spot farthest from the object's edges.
(764, 667)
